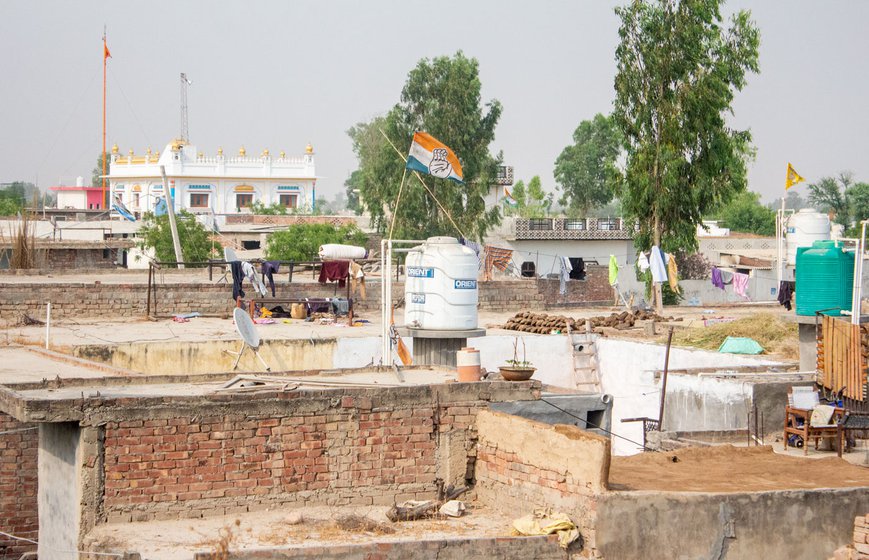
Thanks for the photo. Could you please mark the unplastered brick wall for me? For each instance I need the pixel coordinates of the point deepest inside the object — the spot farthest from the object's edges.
(523, 465)
(371, 447)
(97, 299)
(19, 446)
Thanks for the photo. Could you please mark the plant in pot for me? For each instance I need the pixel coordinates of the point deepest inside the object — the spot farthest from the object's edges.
(516, 369)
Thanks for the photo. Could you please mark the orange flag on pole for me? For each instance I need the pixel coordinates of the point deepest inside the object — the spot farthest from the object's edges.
(106, 53)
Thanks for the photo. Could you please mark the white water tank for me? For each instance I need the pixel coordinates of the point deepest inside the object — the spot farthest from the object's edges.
(804, 228)
(440, 292)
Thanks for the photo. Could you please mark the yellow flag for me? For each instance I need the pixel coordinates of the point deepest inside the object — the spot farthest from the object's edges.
(792, 177)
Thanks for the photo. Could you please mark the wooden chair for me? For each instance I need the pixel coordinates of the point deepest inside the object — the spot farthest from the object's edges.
(798, 418)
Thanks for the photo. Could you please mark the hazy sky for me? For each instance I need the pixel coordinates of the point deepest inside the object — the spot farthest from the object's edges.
(278, 75)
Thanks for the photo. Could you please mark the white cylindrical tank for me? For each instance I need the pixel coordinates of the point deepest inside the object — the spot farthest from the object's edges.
(440, 291)
(79, 181)
(804, 228)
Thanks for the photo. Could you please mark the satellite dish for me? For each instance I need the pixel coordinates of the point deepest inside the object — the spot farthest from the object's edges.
(229, 254)
(245, 327)
(247, 330)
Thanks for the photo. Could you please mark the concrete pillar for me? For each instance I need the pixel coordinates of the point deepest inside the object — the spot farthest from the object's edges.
(59, 491)
(808, 346)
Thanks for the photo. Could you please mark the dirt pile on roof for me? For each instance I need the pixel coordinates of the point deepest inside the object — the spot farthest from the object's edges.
(725, 468)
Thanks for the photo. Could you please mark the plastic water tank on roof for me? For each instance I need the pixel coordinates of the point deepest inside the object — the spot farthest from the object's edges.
(441, 287)
(804, 228)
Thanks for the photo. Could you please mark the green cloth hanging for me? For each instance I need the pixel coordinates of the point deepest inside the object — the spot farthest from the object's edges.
(614, 271)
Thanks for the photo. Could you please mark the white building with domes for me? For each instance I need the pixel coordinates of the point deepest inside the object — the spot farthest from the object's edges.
(212, 184)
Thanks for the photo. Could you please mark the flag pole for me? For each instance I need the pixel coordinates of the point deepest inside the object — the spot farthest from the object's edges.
(105, 58)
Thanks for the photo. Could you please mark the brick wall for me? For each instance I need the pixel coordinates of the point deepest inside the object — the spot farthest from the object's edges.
(18, 476)
(523, 465)
(129, 300)
(859, 549)
(364, 450)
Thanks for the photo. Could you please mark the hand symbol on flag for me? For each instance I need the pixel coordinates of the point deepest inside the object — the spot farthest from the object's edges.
(439, 166)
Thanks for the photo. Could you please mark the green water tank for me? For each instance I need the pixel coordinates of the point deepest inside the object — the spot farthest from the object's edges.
(825, 278)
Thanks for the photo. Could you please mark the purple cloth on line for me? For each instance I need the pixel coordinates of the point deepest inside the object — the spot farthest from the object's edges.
(717, 280)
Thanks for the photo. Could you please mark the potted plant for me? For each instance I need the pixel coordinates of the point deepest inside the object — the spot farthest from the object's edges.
(516, 369)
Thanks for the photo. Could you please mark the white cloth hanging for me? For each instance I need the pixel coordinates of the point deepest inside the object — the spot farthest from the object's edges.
(656, 263)
(250, 274)
(566, 269)
(642, 262)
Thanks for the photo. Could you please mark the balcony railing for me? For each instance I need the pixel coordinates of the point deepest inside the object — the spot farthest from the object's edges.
(571, 228)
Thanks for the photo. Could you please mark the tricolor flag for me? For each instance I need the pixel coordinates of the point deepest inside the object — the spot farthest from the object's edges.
(428, 155)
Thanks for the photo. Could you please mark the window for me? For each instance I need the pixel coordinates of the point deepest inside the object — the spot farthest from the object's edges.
(574, 224)
(199, 200)
(289, 200)
(243, 200)
(608, 224)
(249, 245)
(136, 200)
(540, 224)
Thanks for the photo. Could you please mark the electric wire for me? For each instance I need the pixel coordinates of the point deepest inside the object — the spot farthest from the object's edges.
(117, 82)
(598, 427)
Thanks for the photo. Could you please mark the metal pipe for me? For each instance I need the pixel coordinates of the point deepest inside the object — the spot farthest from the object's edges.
(664, 385)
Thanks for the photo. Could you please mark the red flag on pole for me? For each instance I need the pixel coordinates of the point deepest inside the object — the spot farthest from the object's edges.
(106, 53)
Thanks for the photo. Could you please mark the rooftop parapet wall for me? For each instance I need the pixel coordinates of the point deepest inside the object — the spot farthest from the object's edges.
(522, 465)
(77, 299)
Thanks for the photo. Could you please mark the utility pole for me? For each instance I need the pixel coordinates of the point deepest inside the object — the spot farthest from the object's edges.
(185, 133)
(170, 209)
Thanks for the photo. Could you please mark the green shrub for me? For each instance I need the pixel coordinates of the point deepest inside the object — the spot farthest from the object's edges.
(302, 242)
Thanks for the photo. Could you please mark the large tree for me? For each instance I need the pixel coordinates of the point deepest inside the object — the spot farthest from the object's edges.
(441, 97)
(679, 67)
(585, 170)
(745, 213)
(830, 194)
(196, 242)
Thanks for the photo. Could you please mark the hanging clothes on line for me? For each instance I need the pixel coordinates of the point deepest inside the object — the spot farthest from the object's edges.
(565, 275)
(614, 271)
(331, 271)
(656, 264)
(237, 279)
(269, 269)
(717, 280)
(785, 293)
(740, 284)
(643, 262)
(673, 274)
(250, 274)
(498, 258)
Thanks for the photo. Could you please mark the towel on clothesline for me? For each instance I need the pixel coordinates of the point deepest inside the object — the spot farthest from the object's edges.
(334, 270)
(717, 280)
(656, 262)
(740, 284)
(643, 262)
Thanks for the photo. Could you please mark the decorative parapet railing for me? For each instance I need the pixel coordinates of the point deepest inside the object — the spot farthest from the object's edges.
(571, 228)
(287, 219)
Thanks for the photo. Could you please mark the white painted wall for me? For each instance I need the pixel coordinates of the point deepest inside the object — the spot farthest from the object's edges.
(552, 355)
(627, 373)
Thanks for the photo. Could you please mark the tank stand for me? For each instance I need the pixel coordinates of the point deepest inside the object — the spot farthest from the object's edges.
(438, 348)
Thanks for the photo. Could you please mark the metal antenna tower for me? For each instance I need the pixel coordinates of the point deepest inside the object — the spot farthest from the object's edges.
(184, 83)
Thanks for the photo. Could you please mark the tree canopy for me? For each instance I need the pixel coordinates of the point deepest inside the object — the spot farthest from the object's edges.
(745, 213)
(301, 242)
(196, 244)
(678, 68)
(531, 201)
(442, 97)
(830, 194)
(585, 171)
